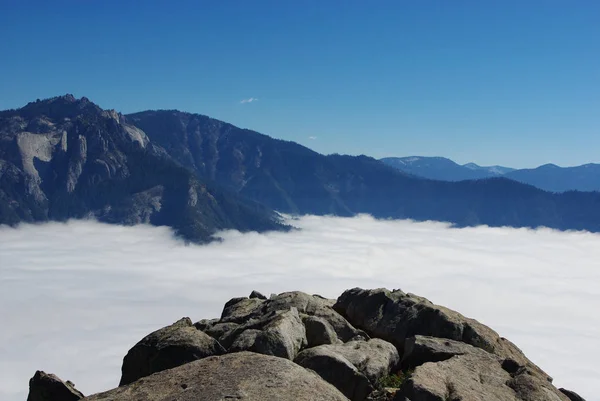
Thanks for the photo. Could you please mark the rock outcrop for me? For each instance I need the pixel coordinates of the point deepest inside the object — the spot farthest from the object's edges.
(259, 324)
(48, 387)
(453, 371)
(166, 348)
(354, 367)
(237, 376)
(296, 346)
(395, 316)
(319, 331)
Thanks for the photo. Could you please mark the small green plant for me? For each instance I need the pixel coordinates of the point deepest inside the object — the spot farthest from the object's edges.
(394, 380)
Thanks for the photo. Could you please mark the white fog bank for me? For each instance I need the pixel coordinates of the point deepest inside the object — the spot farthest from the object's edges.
(75, 297)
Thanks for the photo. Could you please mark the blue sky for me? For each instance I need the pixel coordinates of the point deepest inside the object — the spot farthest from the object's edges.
(507, 82)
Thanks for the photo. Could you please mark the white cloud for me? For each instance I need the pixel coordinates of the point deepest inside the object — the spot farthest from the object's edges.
(75, 297)
(312, 138)
(249, 100)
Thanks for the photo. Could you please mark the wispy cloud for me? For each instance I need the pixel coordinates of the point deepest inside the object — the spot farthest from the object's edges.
(249, 100)
(75, 297)
(312, 138)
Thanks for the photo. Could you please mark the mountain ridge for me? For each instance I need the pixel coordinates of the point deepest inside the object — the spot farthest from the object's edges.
(67, 158)
(548, 177)
(291, 178)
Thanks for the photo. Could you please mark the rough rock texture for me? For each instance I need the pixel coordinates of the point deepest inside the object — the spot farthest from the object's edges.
(421, 349)
(47, 387)
(249, 309)
(476, 376)
(337, 370)
(166, 348)
(238, 310)
(205, 324)
(238, 376)
(256, 294)
(573, 396)
(319, 331)
(354, 367)
(280, 333)
(395, 316)
(283, 336)
(236, 330)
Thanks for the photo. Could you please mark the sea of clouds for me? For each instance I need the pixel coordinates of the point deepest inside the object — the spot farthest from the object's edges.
(75, 297)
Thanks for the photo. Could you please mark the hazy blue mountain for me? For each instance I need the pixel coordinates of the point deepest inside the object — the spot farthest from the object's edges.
(67, 158)
(441, 168)
(291, 178)
(548, 177)
(492, 170)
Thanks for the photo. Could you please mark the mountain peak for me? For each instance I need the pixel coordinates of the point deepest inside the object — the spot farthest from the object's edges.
(548, 166)
(59, 107)
(472, 166)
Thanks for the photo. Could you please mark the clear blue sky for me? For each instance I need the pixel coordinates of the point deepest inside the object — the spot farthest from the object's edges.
(506, 82)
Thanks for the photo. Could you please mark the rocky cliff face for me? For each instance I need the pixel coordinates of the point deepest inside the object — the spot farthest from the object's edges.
(366, 345)
(67, 158)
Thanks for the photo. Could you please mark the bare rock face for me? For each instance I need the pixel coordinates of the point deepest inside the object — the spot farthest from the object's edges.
(238, 310)
(421, 349)
(319, 331)
(237, 376)
(279, 325)
(354, 367)
(48, 387)
(337, 370)
(411, 350)
(395, 316)
(166, 348)
(279, 333)
(477, 376)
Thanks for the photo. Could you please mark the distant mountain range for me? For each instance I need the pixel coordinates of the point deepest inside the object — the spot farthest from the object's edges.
(66, 158)
(440, 168)
(548, 177)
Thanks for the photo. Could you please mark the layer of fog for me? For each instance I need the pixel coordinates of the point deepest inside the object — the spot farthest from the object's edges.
(75, 297)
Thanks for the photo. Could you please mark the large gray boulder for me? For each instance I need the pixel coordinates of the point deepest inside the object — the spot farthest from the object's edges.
(354, 367)
(284, 336)
(48, 387)
(477, 376)
(319, 331)
(337, 370)
(280, 334)
(166, 348)
(315, 305)
(239, 310)
(239, 376)
(395, 316)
